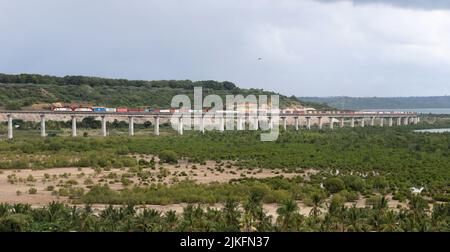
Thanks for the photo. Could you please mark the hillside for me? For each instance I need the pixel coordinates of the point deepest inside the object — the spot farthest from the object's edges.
(25, 90)
(357, 103)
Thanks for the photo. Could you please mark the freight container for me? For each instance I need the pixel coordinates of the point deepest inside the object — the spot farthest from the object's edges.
(121, 110)
(164, 111)
(135, 110)
(153, 110)
(110, 110)
(99, 109)
(61, 109)
(83, 109)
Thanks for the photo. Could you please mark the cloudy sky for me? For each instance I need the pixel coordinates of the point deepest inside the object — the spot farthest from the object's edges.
(308, 47)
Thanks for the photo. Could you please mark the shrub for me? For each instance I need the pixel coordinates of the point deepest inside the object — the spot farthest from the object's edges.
(354, 183)
(334, 185)
(76, 193)
(64, 192)
(14, 223)
(168, 156)
(338, 199)
(32, 190)
(348, 196)
(30, 178)
(13, 106)
(442, 197)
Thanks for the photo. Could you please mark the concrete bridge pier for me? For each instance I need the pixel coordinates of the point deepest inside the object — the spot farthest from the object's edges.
(399, 121)
(180, 126)
(202, 124)
(131, 125)
(255, 122)
(296, 123)
(74, 125)
(405, 120)
(157, 126)
(269, 121)
(10, 127)
(222, 123)
(352, 122)
(342, 122)
(416, 120)
(240, 122)
(308, 122)
(284, 123)
(391, 121)
(363, 122)
(103, 126)
(43, 134)
(320, 122)
(331, 123)
(372, 121)
(381, 122)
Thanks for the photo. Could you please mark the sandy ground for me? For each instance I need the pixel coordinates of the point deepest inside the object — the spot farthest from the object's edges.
(15, 184)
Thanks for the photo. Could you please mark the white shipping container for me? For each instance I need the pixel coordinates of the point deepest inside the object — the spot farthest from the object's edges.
(62, 109)
(83, 109)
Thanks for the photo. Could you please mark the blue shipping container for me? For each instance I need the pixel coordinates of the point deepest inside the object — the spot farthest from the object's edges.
(99, 109)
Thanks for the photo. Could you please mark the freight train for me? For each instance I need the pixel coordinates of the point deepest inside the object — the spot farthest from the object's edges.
(119, 109)
(173, 110)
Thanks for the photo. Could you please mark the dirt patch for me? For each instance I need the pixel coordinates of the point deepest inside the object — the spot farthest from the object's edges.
(15, 185)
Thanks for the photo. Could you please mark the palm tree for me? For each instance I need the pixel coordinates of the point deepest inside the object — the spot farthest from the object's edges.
(4, 209)
(231, 215)
(171, 220)
(148, 221)
(253, 211)
(355, 220)
(288, 215)
(317, 202)
(388, 222)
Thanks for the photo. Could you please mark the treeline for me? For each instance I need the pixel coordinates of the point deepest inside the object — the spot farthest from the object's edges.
(17, 91)
(233, 217)
(97, 81)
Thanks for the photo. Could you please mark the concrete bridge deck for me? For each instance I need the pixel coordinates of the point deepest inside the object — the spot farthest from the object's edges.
(340, 117)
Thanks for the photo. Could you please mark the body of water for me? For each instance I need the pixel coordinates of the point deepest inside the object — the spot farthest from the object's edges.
(432, 130)
(419, 110)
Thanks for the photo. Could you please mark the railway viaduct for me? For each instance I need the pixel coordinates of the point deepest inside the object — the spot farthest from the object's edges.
(335, 119)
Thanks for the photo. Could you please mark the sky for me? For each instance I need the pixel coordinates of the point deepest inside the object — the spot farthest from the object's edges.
(294, 47)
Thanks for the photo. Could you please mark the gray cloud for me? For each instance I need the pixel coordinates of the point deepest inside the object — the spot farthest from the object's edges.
(308, 48)
(416, 4)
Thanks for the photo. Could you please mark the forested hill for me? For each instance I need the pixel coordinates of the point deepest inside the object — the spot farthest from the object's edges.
(357, 103)
(24, 90)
